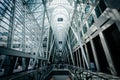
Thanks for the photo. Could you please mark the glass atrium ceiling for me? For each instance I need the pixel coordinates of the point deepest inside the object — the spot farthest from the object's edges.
(58, 15)
(37, 8)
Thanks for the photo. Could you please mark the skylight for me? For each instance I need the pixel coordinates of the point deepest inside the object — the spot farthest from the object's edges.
(60, 19)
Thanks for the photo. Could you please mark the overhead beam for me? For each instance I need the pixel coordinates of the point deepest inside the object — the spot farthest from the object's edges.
(11, 52)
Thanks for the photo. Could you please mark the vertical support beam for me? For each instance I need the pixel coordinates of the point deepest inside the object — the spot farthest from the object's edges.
(67, 56)
(80, 44)
(40, 49)
(107, 54)
(54, 53)
(9, 62)
(87, 54)
(24, 39)
(83, 62)
(51, 49)
(51, 43)
(11, 26)
(69, 47)
(41, 39)
(48, 43)
(49, 28)
(95, 56)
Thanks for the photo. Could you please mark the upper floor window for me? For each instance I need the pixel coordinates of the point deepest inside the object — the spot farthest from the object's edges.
(82, 16)
(100, 8)
(93, 1)
(87, 9)
(81, 35)
(97, 11)
(84, 28)
(84, 1)
(102, 5)
(90, 20)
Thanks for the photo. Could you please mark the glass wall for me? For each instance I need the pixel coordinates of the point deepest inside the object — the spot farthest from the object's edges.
(19, 28)
(5, 17)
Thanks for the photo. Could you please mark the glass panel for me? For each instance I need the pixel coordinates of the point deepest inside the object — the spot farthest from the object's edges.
(90, 20)
(82, 16)
(97, 11)
(5, 15)
(81, 35)
(84, 28)
(87, 9)
(3, 37)
(102, 5)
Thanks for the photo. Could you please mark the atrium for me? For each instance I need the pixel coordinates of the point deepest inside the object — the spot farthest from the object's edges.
(59, 39)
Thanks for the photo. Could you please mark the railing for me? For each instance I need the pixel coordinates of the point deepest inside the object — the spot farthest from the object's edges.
(76, 72)
(23, 75)
(90, 75)
(82, 74)
(36, 74)
(10, 58)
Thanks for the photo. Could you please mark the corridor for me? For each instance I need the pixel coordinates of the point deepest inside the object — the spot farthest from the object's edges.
(59, 39)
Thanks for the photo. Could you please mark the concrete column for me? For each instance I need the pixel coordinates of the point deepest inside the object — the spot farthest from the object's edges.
(94, 54)
(107, 54)
(87, 55)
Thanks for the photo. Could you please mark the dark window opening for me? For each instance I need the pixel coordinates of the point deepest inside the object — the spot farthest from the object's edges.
(97, 11)
(81, 57)
(60, 19)
(103, 64)
(60, 42)
(102, 5)
(74, 54)
(90, 20)
(100, 8)
(91, 57)
(112, 36)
